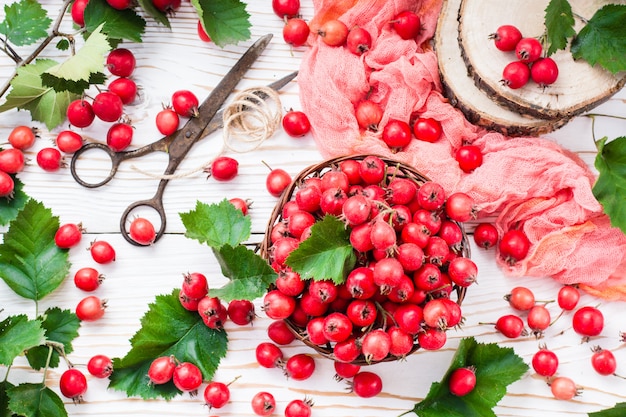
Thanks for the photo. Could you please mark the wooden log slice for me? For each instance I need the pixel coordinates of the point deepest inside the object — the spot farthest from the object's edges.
(579, 86)
(477, 106)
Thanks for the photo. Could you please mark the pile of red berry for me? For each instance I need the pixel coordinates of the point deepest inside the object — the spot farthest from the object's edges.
(529, 63)
(587, 321)
(412, 260)
(194, 296)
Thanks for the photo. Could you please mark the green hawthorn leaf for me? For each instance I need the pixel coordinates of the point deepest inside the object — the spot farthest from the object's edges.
(4, 399)
(250, 275)
(35, 400)
(326, 254)
(116, 24)
(226, 22)
(31, 264)
(25, 22)
(559, 21)
(618, 411)
(63, 45)
(28, 93)
(9, 207)
(61, 326)
(610, 187)
(603, 39)
(496, 368)
(149, 7)
(167, 329)
(216, 224)
(82, 68)
(17, 334)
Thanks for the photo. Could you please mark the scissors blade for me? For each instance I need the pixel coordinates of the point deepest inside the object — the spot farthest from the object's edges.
(218, 120)
(222, 90)
(194, 128)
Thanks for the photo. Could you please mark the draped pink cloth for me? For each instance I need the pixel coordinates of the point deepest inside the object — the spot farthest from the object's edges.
(529, 183)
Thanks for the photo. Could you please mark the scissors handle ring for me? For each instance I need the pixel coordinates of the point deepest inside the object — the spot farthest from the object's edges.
(115, 162)
(155, 203)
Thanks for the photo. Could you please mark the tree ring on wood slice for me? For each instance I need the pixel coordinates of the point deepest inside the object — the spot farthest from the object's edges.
(477, 106)
(579, 87)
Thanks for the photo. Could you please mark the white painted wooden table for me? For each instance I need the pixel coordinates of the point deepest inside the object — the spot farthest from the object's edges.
(170, 60)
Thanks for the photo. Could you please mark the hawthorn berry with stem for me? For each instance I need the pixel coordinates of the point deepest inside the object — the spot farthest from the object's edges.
(217, 394)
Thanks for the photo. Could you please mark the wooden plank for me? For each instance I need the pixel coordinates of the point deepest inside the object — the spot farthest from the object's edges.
(141, 273)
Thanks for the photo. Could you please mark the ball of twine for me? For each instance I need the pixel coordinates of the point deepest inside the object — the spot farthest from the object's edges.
(251, 119)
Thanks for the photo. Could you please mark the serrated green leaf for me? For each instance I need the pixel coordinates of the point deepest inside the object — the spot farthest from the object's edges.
(82, 68)
(61, 326)
(326, 254)
(249, 274)
(30, 262)
(4, 399)
(151, 10)
(216, 224)
(226, 22)
(610, 187)
(559, 21)
(17, 334)
(116, 24)
(28, 93)
(618, 411)
(25, 22)
(496, 368)
(9, 207)
(167, 329)
(63, 45)
(603, 39)
(35, 400)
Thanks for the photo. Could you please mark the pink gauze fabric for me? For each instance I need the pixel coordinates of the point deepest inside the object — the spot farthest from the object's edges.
(527, 182)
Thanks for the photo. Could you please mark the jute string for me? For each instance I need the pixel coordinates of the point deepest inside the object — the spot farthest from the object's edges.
(249, 120)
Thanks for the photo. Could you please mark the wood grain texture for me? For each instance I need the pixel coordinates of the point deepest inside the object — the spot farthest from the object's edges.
(170, 60)
(579, 86)
(478, 107)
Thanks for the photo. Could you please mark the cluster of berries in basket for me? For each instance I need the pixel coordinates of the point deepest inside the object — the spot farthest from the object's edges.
(411, 260)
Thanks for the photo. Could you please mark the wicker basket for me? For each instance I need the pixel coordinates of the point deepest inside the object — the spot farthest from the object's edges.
(395, 169)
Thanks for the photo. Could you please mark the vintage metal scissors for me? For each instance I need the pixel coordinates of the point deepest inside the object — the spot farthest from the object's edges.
(178, 144)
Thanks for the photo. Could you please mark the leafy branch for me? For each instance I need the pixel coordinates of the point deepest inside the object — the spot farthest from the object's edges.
(44, 21)
(223, 228)
(496, 368)
(601, 41)
(33, 267)
(610, 187)
(168, 329)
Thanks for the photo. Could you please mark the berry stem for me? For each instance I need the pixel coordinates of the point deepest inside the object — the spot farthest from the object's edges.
(592, 115)
(581, 18)
(234, 379)
(267, 165)
(557, 317)
(6, 375)
(45, 370)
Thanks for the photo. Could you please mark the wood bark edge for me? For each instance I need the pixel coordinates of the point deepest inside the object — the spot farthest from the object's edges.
(460, 90)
